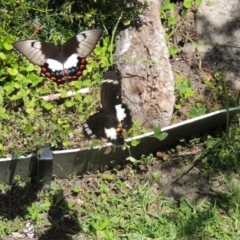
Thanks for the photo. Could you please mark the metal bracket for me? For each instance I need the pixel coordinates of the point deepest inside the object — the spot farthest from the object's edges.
(45, 166)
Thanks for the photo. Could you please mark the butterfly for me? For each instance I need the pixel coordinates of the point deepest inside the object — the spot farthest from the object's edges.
(61, 63)
(114, 116)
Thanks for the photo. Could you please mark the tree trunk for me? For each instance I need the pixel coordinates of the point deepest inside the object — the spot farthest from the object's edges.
(142, 58)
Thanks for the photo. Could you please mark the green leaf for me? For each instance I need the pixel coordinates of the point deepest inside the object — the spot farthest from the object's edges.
(45, 206)
(197, 111)
(107, 235)
(78, 97)
(63, 93)
(106, 41)
(137, 123)
(65, 142)
(47, 106)
(135, 142)
(156, 176)
(70, 103)
(12, 71)
(94, 225)
(133, 160)
(86, 82)
(80, 108)
(20, 94)
(59, 197)
(105, 61)
(7, 44)
(159, 134)
(187, 3)
(110, 48)
(178, 106)
(172, 50)
(168, 5)
(3, 56)
(186, 207)
(172, 20)
(77, 84)
(1, 99)
(104, 224)
(88, 99)
(28, 129)
(89, 67)
(126, 23)
(209, 3)
(76, 189)
(98, 50)
(3, 113)
(30, 67)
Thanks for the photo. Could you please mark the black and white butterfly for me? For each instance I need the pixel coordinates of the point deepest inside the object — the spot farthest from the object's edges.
(61, 63)
(114, 116)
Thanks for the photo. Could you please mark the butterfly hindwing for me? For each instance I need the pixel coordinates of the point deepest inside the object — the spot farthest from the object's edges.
(113, 117)
(91, 129)
(61, 63)
(72, 69)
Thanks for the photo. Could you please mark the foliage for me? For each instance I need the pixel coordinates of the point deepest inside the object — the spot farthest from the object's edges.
(183, 86)
(136, 129)
(159, 134)
(114, 205)
(175, 18)
(223, 153)
(126, 205)
(171, 23)
(197, 111)
(26, 120)
(51, 19)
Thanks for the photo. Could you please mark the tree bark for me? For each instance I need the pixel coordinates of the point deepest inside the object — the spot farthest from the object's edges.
(147, 79)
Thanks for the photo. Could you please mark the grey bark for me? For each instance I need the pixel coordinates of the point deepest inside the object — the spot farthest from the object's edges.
(142, 58)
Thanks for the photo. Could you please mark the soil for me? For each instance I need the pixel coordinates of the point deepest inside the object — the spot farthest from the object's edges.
(173, 182)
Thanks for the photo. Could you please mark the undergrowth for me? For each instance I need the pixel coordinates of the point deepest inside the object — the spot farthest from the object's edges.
(126, 203)
(131, 203)
(26, 120)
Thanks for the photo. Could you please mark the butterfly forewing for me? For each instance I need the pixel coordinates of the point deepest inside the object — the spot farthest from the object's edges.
(83, 43)
(111, 90)
(33, 50)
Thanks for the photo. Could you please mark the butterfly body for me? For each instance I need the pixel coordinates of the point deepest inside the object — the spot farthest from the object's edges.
(61, 63)
(114, 116)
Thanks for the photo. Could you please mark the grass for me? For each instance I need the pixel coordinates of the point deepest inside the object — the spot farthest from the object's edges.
(135, 202)
(139, 201)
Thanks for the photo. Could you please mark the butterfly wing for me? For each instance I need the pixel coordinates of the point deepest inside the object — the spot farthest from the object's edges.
(118, 119)
(111, 89)
(82, 44)
(111, 97)
(114, 116)
(43, 54)
(36, 52)
(62, 62)
(102, 125)
(94, 126)
(73, 55)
